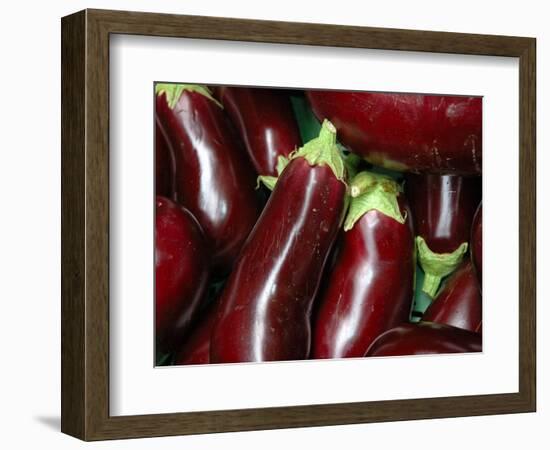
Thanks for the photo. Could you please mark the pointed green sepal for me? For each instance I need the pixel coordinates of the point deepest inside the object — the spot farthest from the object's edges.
(268, 181)
(173, 92)
(323, 151)
(437, 265)
(372, 191)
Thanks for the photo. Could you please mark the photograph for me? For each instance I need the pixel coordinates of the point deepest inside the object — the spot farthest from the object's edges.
(308, 224)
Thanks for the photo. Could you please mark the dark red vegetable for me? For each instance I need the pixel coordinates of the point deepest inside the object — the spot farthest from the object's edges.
(458, 303)
(196, 347)
(265, 308)
(181, 271)
(406, 132)
(476, 243)
(214, 178)
(164, 165)
(265, 122)
(443, 207)
(370, 287)
(425, 338)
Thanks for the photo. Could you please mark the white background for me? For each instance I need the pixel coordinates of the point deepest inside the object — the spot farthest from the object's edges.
(30, 238)
(136, 387)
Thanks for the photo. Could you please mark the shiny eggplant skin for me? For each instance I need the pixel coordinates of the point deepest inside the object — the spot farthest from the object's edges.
(265, 121)
(425, 338)
(406, 132)
(370, 287)
(181, 271)
(265, 308)
(458, 303)
(196, 347)
(214, 178)
(164, 165)
(443, 207)
(476, 247)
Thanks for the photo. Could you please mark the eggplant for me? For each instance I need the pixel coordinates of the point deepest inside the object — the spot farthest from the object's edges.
(196, 347)
(181, 271)
(265, 308)
(476, 250)
(214, 178)
(265, 121)
(425, 338)
(406, 132)
(164, 165)
(443, 207)
(458, 303)
(370, 287)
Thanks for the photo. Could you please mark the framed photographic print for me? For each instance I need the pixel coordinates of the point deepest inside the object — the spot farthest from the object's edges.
(266, 224)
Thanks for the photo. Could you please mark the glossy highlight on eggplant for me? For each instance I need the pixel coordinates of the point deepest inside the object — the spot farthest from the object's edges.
(265, 308)
(370, 286)
(458, 303)
(181, 271)
(214, 178)
(443, 207)
(425, 338)
(407, 132)
(265, 121)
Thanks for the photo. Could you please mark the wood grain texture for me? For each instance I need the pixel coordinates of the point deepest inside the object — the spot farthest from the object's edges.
(85, 224)
(73, 108)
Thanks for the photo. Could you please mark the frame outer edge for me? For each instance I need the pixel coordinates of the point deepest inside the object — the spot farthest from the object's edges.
(528, 224)
(85, 227)
(73, 226)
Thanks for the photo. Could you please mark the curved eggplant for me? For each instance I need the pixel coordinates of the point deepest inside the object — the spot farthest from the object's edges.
(458, 303)
(425, 338)
(406, 132)
(443, 207)
(476, 243)
(164, 165)
(265, 121)
(181, 271)
(370, 287)
(265, 308)
(214, 178)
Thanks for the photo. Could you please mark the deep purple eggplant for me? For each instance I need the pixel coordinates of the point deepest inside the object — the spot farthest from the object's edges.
(407, 132)
(458, 303)
(214, 178)
(165, 166)
(425, 338)
(196, 347)
(370, 287)
(265, 308)
(181, 271)
(443, 207)
(265, 121)
(476, 249)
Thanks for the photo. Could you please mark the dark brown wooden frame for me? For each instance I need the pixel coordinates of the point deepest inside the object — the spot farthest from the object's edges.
(85, 224)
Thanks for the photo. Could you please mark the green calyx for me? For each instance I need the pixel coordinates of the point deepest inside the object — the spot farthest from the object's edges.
(370, 191)
(437, 265)
(323, 151)
(173, 92)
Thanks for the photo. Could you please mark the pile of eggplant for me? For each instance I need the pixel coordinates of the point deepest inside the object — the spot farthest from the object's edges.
(315, 224)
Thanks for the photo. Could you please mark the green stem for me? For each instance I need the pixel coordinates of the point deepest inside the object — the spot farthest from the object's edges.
(436, 266)
(173, 92)
(323, 151)
(371, 191)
